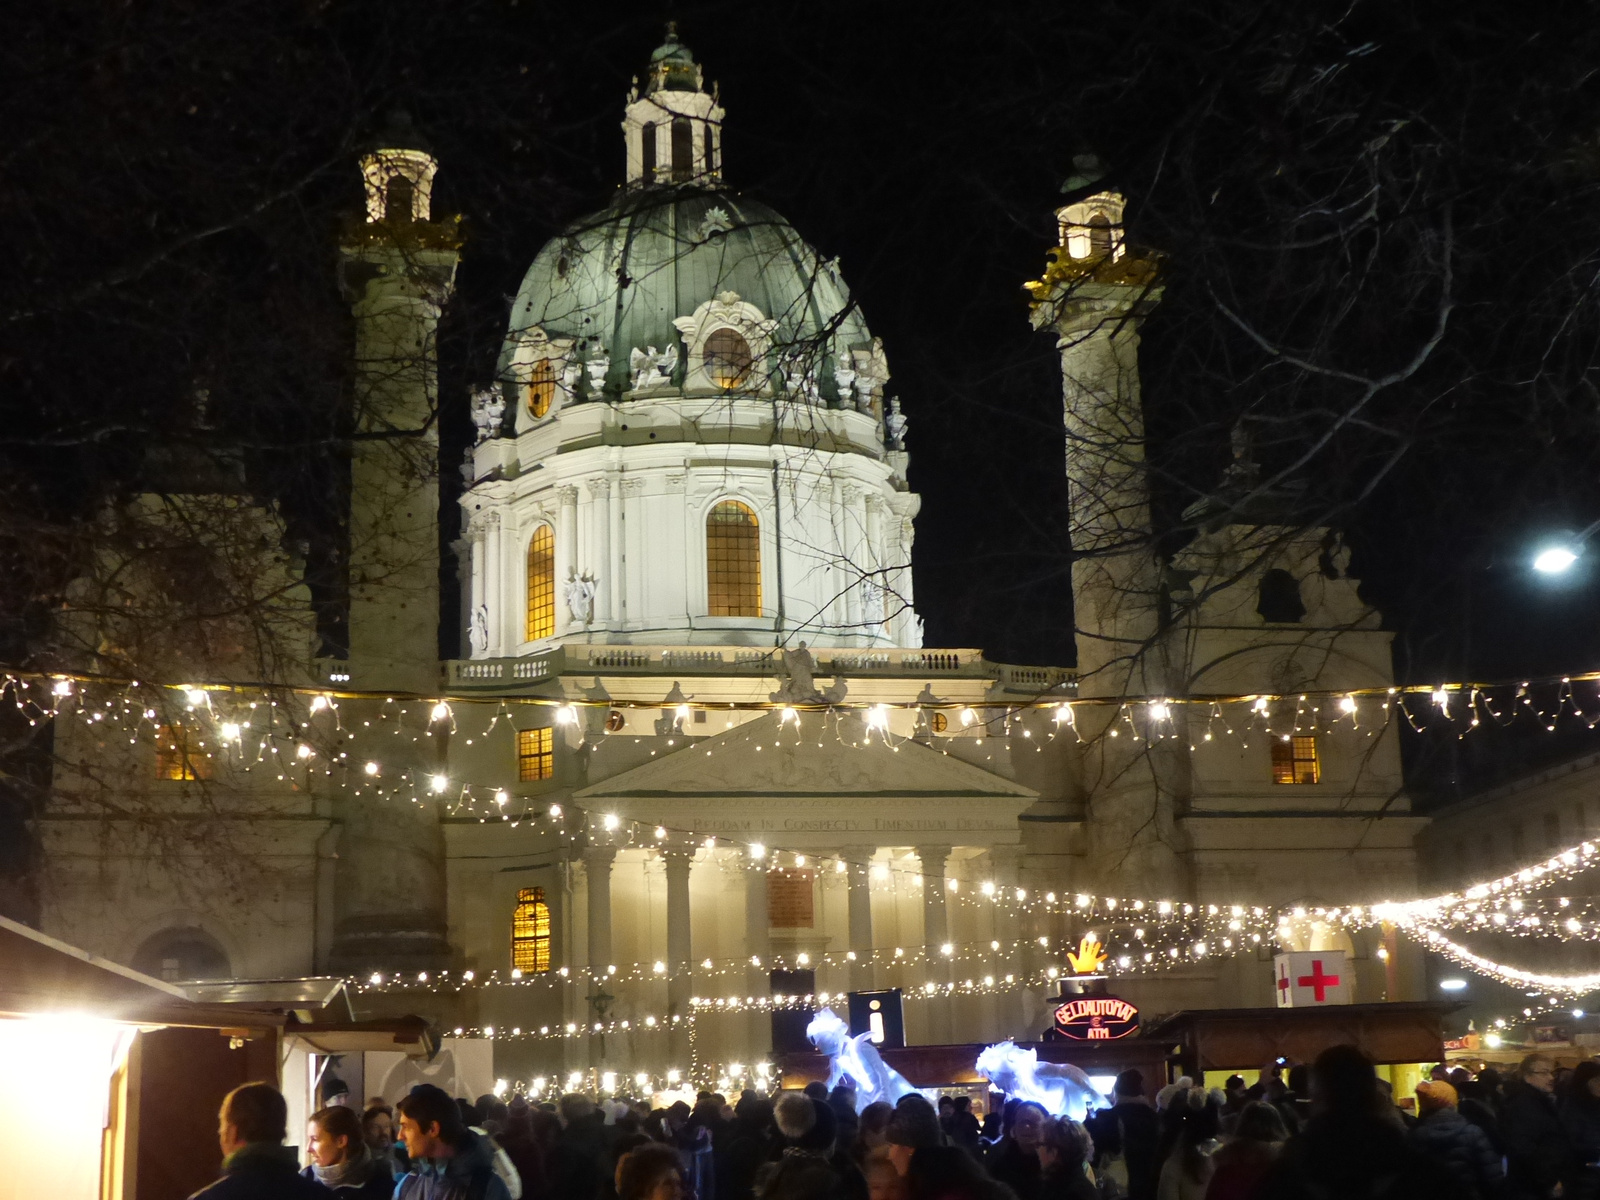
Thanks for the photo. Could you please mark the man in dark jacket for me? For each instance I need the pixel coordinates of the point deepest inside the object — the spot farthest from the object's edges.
(1453, 1144)
(1538, 1153)
(255, 1164)
(1127, 1138)
(448, 1161)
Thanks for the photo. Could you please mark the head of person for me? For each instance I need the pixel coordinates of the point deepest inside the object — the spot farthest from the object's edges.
(1434, 1094)
(1344, 1082)
(1129, 1086)
(1233, 1086)
(252, 1113)
(430, 1122)
(817, 1090)
(1064, 1145)
(650, 1172)
(575, 1106)
(678, 1114)
(334, 1136)
(913, 1126)
(1584, 1086)
(753, 1111)
(1298, 1078)
(377, 1126)
(1260, 1122)
(963, 1104)
(947, 1106)
(807, 1125)
(1027, 1125)
(1538, 1071)
(333, 1091)
(873, 1129)
(1439, 1073)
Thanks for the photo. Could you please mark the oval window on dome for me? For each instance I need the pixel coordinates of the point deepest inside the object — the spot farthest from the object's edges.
(727, 358)
(541, 387)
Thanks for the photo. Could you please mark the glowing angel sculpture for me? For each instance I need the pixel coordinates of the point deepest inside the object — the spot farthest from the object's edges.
(856, 1057)
(1064, 1090)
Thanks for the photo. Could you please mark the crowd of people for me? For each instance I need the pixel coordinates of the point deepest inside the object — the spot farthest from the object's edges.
(1329, 1129)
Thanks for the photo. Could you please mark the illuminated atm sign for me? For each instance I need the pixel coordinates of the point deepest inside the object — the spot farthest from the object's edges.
(1096, 1019)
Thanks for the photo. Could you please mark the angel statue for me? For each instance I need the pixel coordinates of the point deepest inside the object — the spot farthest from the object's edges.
(598, 366)
(857, 1058)
(488, 407)
(580, 596)
(895, 424)
(652, 369)
(1062, 1088)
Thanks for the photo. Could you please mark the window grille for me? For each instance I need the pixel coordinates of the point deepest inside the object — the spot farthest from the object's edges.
(536, 757)
(541, 387)
(733, 561)
(178, 755)
(1294, 760)
(530, 931)
(542, 584)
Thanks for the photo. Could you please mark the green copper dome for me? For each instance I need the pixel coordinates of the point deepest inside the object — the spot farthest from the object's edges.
(617, 281)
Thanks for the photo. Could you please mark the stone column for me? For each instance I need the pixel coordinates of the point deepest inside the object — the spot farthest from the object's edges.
(597, 862)
(566, 551)
(600, 546)
(500, 612)
(478, 541)
(859, 875)
(614, 538)
(935, 933)
(679, 863)
(758, 944)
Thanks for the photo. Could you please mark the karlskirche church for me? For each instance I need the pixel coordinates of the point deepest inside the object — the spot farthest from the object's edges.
(695, 752)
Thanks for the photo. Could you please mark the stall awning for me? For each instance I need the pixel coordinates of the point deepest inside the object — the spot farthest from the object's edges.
(1236, 1039)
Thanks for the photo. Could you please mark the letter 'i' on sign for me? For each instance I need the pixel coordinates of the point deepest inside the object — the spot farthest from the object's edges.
(1311, 978)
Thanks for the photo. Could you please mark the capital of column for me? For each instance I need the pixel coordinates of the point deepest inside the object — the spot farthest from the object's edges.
(932, 860)
(599, 854)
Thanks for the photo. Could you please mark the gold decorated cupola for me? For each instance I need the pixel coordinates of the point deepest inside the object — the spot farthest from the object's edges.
(673, 126)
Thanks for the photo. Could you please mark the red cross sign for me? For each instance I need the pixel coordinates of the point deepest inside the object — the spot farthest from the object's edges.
(1309, 978)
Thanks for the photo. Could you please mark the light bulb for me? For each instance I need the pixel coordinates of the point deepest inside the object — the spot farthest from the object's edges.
(439, 783)
(612, 821)
(371, 768)
(441, 712)
(566, 715)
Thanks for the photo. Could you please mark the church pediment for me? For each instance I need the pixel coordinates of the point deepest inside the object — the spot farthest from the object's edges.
(763, 759)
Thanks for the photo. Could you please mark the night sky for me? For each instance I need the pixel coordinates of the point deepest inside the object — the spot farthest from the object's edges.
(928, 154)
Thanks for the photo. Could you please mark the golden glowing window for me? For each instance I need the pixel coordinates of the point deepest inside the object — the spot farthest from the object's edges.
(541, 387)
(542, 584)
(733, 561)
(178, 755)
(536, 754)
(1294, 760)
(530, 931)
(727, 357)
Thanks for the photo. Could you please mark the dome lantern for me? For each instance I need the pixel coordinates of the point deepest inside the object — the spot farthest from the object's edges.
(673, 129)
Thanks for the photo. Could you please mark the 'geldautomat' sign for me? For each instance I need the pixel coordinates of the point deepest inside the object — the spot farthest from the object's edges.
(1096, 1018)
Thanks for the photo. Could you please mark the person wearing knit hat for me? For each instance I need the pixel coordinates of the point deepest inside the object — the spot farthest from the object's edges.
(1452, 1144)
(809, 1168)
(914, 1125)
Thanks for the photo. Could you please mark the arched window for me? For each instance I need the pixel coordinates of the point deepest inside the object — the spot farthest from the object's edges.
(711, 150)
(541, 387)
(530, 932)
(727, 358)
(542, 584)
(398, 199)
(1099, 235)
(187, 953)
(1278, 600)
(682, 149)
(733, 561)
(647, 152)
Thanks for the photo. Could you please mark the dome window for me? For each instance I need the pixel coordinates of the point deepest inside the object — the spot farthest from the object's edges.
(727, 358)
(733, 561)
(1100, 244)
(541, 584)
(682, 150)
(1278, 600)
(541, 388)
(647, 151)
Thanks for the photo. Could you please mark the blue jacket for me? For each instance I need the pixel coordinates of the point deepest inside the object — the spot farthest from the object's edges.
(262, 1171)
(1461, 1149)
(468, 1174)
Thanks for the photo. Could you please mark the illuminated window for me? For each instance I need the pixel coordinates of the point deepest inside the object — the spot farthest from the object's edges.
(536, 755)
(541, 387)
(733, 561)
(938, 722)
(727, 358)
(1294, 760)
(178, 756)
(530, 931)
(542, 584)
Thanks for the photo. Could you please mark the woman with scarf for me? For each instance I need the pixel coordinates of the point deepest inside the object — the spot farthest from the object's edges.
(342, 1161)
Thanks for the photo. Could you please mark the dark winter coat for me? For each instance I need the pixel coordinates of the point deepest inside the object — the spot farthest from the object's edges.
(1352, 1157)
(580, 1165)
(262, 1171)
(1130, 1130)
(1538, 1150)
(468, 1174)
(371, 1181)
(1238, 1167)
(1015, 1167)
(950, 1173)
(1458, 1147)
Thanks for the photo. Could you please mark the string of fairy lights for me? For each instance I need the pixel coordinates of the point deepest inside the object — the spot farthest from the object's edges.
(301, 735)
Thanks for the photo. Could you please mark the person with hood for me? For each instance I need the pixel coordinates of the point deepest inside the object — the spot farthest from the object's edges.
(448, 1160)
(1538, 1151)
(341, 1160)
(809, 1168)
(1454, 1144)
(1127, 1138)
(256, 1165)
(1580, 1114)
(1348, 1148)
(1244, 1159)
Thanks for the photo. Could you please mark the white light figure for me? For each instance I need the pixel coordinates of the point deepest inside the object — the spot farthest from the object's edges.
(1064, 1090)
(858, 1058)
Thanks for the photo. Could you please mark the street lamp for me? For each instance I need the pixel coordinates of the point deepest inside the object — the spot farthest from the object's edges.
(1556, 556)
